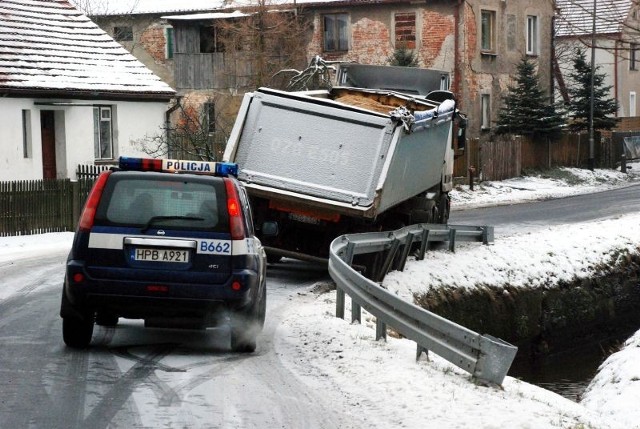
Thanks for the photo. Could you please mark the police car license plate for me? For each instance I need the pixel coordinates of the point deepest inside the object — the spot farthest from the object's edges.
(160, 255)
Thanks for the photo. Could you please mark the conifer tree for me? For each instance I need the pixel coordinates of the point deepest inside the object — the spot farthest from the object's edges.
(526, 109)
(402, 56)
(579, 106)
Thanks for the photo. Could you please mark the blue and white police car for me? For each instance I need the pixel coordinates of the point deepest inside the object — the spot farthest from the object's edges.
(168, 241)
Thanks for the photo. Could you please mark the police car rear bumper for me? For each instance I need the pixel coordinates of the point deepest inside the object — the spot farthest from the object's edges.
(142, 299)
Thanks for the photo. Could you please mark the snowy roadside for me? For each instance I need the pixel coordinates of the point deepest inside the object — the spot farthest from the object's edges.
(392, 390)
(382, 383)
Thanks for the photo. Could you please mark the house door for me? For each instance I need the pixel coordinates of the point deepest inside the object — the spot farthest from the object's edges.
(47, 129)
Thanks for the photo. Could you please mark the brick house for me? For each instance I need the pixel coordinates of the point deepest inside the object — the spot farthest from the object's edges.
(478, 41)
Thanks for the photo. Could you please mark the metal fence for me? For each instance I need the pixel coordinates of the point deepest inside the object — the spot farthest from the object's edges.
(486, 357)
(41, 206)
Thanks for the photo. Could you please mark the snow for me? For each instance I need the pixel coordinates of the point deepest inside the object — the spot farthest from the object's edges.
(48, 45)
(382, 380)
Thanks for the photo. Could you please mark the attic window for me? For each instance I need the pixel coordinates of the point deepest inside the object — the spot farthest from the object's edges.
(123, 34)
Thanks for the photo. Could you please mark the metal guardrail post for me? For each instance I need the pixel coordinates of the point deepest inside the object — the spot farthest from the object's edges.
(452, 240)
(356, 313)
(381, 330)
(340, 303)
(423, 244)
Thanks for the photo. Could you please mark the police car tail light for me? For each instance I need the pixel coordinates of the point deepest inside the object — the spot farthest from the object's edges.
(236, 223)
(89, 212)
(223, 169)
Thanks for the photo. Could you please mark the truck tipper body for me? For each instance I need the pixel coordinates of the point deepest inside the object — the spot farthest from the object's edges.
(318, 164)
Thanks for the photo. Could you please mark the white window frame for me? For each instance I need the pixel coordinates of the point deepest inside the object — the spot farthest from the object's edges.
(632, 103)
(533, 35)
(26, 133)
(485, 111)
(103, 122)
(491, 48)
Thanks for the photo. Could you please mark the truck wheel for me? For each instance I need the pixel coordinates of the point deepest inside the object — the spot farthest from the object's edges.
(77, 332)
(426, 215)
(444, 206)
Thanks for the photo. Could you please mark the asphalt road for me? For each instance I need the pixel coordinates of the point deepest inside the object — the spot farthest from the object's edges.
(579, 208)
(132, 377)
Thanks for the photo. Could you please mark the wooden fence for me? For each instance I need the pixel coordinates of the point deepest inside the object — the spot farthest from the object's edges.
(504, 157)
(40, 206)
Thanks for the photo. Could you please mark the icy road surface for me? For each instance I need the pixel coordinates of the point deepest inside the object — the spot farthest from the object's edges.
(132, 377)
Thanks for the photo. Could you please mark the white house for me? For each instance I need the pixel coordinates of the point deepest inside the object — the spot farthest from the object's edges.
(69, 94)
(617, 45)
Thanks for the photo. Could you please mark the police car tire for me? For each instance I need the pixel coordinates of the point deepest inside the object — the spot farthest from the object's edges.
(242, 342)
(106, 319)
(77, 332)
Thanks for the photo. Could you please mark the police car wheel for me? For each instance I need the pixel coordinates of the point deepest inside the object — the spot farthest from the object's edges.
(106, 319)
(77, 332)
(244, 330)
(242, 342)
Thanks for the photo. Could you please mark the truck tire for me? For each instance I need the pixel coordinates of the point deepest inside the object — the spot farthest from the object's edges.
(426, 215)
(444, 207)
(77, 332)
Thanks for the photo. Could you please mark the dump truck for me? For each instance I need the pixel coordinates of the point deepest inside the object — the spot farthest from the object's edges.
(374, 152)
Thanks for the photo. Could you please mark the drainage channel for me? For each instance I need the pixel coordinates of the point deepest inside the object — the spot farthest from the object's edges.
(563, 333)
(567, 373)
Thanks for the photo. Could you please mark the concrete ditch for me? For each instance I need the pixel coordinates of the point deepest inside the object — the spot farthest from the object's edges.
(553, 319)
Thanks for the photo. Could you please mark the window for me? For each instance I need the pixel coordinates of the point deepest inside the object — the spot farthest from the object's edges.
(486, 112)
(168, 42)
(632, 103)
(26, 133)
(488, 31)
(102, 132)
(210, 112)
(211, 40)
(532, 35)
(335, 32)
(405, 30)
(123, 34)
(633, 56)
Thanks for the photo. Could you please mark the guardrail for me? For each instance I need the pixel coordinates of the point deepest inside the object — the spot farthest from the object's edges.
(486, 357)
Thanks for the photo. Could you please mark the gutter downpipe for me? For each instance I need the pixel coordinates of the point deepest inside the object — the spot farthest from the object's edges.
(456, 57)
(167, 116)
(615, 74)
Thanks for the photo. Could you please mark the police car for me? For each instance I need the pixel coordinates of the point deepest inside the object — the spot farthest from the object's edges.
(170, 242)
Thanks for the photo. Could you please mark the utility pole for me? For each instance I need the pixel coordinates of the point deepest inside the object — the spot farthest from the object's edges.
(591, 107)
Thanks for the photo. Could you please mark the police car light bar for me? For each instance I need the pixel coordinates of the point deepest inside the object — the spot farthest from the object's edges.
(179, 166)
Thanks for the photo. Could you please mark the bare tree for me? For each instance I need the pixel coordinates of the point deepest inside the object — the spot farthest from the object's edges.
(265, 40)
(198, 131)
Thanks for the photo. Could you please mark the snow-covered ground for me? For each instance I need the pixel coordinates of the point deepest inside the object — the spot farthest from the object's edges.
(381, 380)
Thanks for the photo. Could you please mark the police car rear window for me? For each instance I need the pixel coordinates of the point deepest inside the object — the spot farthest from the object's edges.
(158, 201)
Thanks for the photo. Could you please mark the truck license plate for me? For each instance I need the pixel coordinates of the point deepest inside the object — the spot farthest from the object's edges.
(160, 255)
